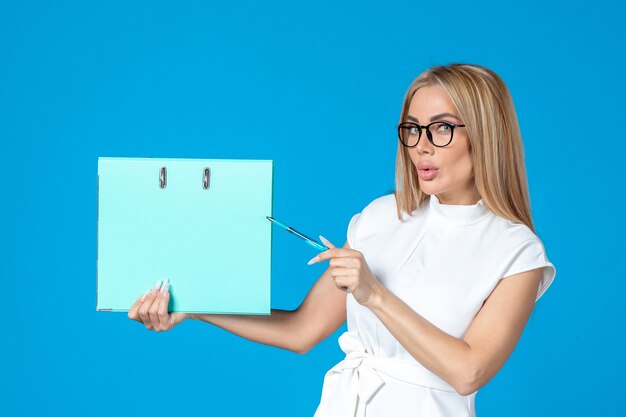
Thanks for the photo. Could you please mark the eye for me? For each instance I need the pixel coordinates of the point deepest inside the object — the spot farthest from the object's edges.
(444, 128)
(413, 130)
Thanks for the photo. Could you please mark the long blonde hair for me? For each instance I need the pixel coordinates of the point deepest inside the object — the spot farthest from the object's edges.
(486, 107)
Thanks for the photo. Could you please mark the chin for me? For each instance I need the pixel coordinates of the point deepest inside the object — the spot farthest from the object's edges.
(428, 188)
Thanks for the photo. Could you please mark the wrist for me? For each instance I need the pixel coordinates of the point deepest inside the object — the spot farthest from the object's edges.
(377, 297)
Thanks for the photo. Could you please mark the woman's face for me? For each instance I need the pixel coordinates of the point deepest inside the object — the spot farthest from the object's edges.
(453, 179)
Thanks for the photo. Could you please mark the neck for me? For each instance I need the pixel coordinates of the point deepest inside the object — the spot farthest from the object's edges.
(467, 198)
(459, 214)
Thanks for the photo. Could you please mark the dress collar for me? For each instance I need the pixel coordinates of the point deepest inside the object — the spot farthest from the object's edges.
(459, 214)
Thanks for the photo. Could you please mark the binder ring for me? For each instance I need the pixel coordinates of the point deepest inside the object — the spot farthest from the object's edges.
(163, 177)
(206, 178)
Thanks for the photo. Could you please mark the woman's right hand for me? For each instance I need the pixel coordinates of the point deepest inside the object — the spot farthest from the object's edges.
(151, 309)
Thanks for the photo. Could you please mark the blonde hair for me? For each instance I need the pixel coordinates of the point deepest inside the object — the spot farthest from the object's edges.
(486, 107)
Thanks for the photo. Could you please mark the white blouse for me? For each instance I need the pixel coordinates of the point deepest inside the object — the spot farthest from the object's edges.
(443, 261)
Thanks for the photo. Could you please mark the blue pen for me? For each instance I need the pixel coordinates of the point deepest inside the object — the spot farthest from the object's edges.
(308, 240)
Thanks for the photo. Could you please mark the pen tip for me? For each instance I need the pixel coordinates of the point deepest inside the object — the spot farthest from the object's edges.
(269, 218)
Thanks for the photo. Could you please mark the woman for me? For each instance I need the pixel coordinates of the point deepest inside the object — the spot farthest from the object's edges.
(430, 317)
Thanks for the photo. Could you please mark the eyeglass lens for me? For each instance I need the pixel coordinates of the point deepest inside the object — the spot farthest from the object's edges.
(440, 133)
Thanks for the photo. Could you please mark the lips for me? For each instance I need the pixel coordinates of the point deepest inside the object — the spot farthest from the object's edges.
(423, 165)
(427, 171)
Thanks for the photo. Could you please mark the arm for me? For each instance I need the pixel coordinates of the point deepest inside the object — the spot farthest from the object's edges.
(321, 313)
(470, 363)
(275, 330)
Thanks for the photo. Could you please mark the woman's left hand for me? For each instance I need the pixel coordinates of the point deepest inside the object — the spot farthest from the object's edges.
(350, 273)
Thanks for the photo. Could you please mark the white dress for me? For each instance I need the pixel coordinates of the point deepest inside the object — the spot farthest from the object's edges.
(443, 261)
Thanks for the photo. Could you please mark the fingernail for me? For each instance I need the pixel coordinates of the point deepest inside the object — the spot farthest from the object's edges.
(145, 295)
(324, 240)
(165, 287)
(157, 286)
(313, 260)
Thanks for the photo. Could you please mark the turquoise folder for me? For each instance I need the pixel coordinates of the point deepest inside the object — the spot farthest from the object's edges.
(201, 223)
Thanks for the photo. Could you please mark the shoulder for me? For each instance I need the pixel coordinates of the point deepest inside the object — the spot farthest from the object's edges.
(514, 233)
(518, 249)
(517, 244)
(383, 206)
(379, 214)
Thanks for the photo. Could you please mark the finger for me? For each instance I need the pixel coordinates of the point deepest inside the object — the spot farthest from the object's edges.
(133, 311)
(176, 318)
(153, 311)
(144, 309)
(164, 317)
(330, 253)
(342, 284)
(341, 272)
(343, 262)
(326, 242)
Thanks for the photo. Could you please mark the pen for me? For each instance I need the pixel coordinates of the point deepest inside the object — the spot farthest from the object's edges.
(308, 240)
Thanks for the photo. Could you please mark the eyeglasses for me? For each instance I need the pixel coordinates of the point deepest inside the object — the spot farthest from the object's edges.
(439, 133)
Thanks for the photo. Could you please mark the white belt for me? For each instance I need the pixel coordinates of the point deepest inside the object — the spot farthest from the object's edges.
(360, 377)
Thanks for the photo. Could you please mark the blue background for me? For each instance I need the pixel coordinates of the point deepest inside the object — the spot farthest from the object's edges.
(318, 86)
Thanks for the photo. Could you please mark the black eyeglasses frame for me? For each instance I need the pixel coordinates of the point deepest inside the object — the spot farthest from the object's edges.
(428, 133)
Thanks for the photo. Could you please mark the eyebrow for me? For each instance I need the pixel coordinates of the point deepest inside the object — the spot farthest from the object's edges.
(436, 116)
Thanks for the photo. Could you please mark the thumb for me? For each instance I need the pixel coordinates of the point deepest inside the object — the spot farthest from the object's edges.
(326, 242)
(177, 318)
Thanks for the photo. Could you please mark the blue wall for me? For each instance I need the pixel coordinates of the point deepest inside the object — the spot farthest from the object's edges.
(319, 86)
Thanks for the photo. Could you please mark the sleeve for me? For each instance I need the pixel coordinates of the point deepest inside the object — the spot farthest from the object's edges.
(528, 256)
(353, 227)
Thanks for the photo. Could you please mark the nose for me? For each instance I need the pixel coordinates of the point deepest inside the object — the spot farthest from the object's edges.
(424, 145)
